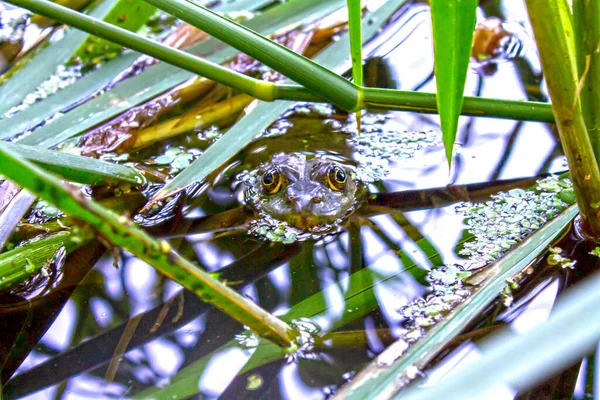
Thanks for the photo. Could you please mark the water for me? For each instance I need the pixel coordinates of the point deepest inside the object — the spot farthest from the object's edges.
(118, 332)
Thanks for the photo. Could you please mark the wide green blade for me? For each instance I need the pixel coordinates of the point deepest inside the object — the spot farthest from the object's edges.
(520, 361)
(76, 168)
(453, 27)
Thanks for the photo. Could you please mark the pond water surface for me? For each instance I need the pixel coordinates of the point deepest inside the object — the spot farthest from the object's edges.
(126, 331)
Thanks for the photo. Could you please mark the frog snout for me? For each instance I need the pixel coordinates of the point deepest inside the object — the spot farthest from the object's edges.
(303, 194)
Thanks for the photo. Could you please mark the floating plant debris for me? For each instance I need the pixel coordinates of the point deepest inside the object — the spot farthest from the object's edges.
(63, 76)
(448, 290)
(556, 258)
(509, 217)
(42, 212)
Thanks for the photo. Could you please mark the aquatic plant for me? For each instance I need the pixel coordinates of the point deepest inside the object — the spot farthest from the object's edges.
(575, 103)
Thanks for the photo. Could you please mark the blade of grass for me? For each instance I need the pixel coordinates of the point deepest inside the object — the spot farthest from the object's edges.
(307, 73)
(159, 78)
(355, 30)
(246, 129)
(59, 52)
(520, 361)
(453, 27)
(382, 382)
(76, 168)
(121, 232)
(37, 113)
(12, 214)
(19, 264)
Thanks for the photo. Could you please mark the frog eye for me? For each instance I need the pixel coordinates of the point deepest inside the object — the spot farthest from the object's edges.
(336, 177)
(271, 181)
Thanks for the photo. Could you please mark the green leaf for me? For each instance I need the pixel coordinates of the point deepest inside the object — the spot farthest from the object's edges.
(57, 53)
(377, 381)
(20, 263)
(355, 29)
(246, 129)
(521, 361)
(453, 27)
(76, 168)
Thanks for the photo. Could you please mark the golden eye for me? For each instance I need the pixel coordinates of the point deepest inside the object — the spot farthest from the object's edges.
(271, 181)
(336, 177)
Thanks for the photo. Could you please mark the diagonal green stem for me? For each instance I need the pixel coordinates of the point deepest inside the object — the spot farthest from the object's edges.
(257, 88)
(121, 232)
(300, 69)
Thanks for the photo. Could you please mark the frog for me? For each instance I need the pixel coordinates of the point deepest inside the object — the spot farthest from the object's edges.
(307, 176)
(308, 192)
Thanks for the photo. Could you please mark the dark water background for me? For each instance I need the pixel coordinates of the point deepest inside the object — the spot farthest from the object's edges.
(70, 361)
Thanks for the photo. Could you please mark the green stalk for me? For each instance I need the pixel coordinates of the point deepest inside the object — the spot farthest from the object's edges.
(373, 97)
(121, 232)
(71, 167)
(474, 106)
(551, 22)
(207, 69)
(21, 263)
(355, 29)
(586, 15)
(300, 69)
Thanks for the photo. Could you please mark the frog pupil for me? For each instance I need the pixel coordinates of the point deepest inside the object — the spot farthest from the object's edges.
(340, 175)
(268, 178)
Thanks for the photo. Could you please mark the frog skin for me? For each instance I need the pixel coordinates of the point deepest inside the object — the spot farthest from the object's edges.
(307, 192)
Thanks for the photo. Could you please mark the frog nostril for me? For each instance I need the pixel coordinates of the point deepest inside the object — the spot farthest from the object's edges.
(291, 198)
(317, 199)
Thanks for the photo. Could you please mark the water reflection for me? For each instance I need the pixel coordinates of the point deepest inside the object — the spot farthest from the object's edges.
(354, 281)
